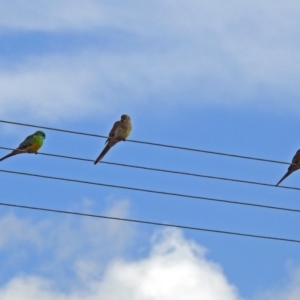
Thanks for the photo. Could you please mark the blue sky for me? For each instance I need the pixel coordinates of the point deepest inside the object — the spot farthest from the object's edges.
(200, 74)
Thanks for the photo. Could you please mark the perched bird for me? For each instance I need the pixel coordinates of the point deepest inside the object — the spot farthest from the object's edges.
(294, 166)
(119, 132)
(30, 145)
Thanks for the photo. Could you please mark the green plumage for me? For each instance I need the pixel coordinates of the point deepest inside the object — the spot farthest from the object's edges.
(30, 145)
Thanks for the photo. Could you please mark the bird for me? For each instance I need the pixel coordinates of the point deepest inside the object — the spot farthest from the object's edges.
(294, 166)
(119, 132)
(30, 145)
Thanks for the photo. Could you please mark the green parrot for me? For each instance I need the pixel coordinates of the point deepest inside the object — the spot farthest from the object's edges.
(30, 145)
(119, 132)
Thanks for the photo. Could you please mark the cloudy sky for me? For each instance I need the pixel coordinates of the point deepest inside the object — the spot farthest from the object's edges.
(202, 74)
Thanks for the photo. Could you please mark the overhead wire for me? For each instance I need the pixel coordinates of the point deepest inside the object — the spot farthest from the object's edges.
(149, 143)
(153, 223)
(165, 170)
(149, 191)
(153, 191)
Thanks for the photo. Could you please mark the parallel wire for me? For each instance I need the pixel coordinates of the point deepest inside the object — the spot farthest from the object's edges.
(150, 143)
(166, 171)
(151, 191)
(153, 223)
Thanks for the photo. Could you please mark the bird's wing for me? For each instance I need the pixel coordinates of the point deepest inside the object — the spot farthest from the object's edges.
(113, 131)
(295, 165)
(27, 142)
(296, 158)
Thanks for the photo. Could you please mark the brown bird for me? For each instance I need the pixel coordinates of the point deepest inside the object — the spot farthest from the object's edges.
(294, 166)
(119, 132)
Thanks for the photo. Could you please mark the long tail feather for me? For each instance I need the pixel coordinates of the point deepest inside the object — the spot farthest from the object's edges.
(288, 173)
(104, 151)
(8, 155)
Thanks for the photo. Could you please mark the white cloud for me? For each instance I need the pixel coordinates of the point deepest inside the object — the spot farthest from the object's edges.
(50, 88)
(176, 268)
(69, 243)
(55, 88)
(54, 15)
(21, 230)
(291, 290)
(191, 53)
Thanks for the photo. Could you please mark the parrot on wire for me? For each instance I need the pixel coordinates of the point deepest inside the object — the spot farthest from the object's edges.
(119, 132)
(30, 145)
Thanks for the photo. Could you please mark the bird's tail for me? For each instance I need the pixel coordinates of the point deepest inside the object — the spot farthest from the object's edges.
(288, 173)
(104, 151)
(9, 155)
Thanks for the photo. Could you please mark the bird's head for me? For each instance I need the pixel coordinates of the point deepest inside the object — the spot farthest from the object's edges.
(41, 133)
(125, 119)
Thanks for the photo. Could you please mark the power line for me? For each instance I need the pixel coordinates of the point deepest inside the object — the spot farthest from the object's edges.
(165, 170)
(151, 143)
(153, 223)
(150, 191)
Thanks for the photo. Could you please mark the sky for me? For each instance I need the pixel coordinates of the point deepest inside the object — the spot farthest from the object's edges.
(212, 75)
